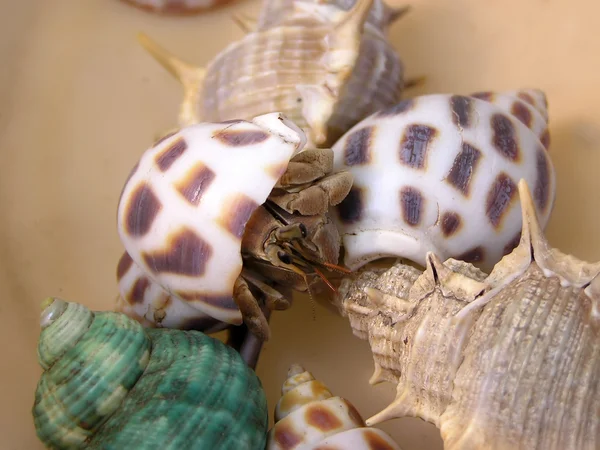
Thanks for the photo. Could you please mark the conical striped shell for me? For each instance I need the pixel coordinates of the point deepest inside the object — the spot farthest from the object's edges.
(108, 383)
(505, 361)
(324, 76)
(308, 416)
(439, 173)
(184, 208)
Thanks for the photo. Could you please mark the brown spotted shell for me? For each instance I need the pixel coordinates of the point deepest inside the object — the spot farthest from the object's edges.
(325, 74)
(438, 173)
(184, 208)
(505, 361)
(309, 417)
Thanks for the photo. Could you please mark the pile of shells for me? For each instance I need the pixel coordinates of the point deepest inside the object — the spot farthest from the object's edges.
(295, 165)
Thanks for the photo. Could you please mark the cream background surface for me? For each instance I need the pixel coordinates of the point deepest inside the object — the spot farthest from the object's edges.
(80, 100)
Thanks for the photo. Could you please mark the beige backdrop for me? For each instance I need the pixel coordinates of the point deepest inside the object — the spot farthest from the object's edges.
(80, 100)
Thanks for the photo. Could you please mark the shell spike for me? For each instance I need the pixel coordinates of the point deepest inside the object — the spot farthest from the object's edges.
(398, 408)
(355, 18)
(397, 13)
(377, 376)
(189, 76)
(247, 24)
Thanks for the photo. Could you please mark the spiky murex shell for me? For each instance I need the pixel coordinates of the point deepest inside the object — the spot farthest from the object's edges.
(108, 383)
(505, 361)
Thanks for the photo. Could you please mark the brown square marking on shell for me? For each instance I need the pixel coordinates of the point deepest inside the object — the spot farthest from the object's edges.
(462, 110)
(350, 209)
(285, 435)
(125, 262)
(450, 223)
(464, 166)
(357, 150)
(186, 254)
(499, 199)
(522, 112)
(376, 442)
(195, 183)
(235, 213)
(526, 97)
(141, 210)
(165, 159)
(241, 138)
(414, 145)
(322, 418)
(412, 203)
(541, 191)
(224, 301)
(138, 291)
(504, 137)
(485, 96)
(474, 255)
(399, 108)
(512, 244)
(545, 138)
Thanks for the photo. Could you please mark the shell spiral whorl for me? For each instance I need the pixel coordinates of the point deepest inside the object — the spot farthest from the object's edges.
(309, 416)
(109, 383)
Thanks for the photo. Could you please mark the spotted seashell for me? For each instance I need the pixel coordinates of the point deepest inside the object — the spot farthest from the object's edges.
(309, 417)
(324, 74)
(184, 208)
(439, 173)
(505, 361)
(108, 383)
(176, 7)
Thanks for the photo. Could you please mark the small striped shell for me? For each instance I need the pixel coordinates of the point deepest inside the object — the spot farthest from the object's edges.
(324, 74)
(309, 417)
(109, 383)
(183, 210)
(176, 7)
(439, 173)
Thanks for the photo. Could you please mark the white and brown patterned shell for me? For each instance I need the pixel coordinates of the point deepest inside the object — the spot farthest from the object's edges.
(509, 361)
(177, 7)
(324, 73)
(183, 209)
(309, 417)
(439, 173)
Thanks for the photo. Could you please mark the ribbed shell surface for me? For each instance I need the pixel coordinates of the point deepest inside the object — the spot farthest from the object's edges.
(261, 73)
(195, 393)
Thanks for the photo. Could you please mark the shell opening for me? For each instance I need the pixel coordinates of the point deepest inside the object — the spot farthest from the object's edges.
(278, 124)
(52, 308)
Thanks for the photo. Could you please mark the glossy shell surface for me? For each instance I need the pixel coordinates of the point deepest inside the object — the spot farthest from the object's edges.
(184, 208)
(109, 383)
(309, 416)
(440, 172)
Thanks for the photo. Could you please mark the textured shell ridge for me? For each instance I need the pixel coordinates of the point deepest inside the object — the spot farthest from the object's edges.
(121, 385)
(183, 190)
(512, 358)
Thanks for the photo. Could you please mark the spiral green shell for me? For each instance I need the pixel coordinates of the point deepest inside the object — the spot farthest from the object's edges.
(118, 386)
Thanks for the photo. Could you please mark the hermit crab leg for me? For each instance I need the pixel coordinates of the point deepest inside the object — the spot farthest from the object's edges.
(190, 77)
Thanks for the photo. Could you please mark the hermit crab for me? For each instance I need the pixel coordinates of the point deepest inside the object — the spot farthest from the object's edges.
(509, 360)
(317, 63)
(439, 173)
(218, 218)
(308, 416)
(108, 383)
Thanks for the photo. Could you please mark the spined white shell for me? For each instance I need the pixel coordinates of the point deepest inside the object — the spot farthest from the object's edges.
(183, 210)
(439, 173)
(309, 417)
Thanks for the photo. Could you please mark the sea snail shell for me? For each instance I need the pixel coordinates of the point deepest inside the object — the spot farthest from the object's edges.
(183, 210)
(439, 173)
(108, 383)
(309, 417)
(499, 362)
(325, 73)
